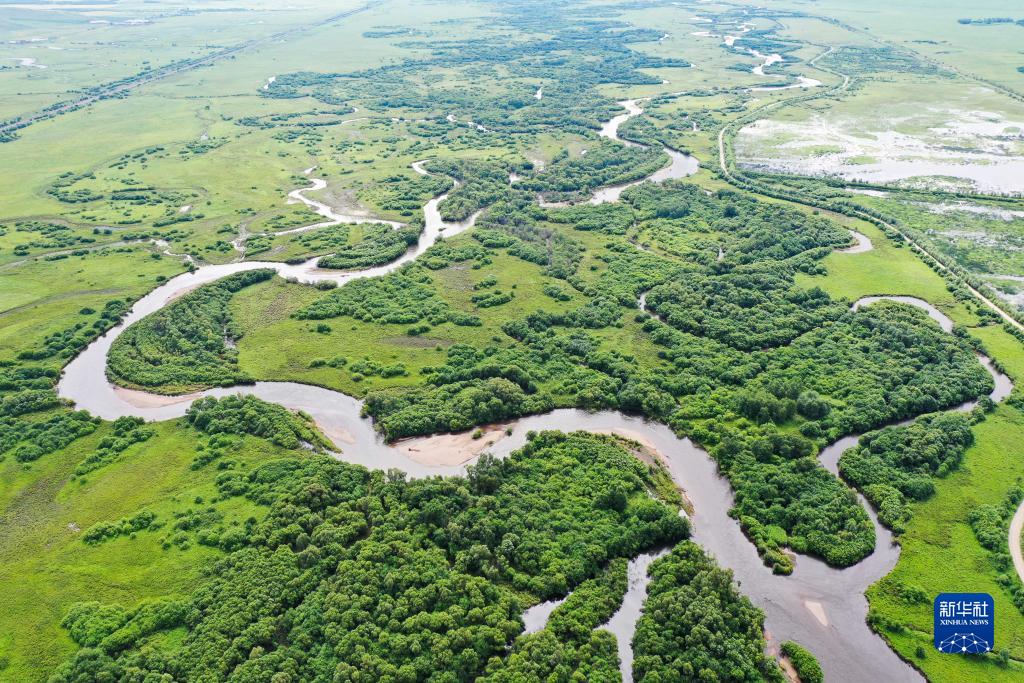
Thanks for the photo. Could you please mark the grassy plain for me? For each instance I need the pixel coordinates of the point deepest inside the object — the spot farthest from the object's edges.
(39, 298)
(932, 28)
(941, 554)
(242, 179)
(89, 44)
(886, 269)
(46, 508)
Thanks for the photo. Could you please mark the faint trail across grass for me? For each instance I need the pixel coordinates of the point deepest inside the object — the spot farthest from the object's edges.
(105, 91)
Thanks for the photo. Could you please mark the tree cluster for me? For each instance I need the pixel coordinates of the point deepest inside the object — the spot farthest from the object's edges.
(897, 465)
(697, 626)
(188, 344)
(353, 574)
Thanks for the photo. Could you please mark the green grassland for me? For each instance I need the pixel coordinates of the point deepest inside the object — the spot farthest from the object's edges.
(87, 45)
(887, 269)
(213, 140)
(932, 28)
(939, 538)
(39, 297)
(980, 235)
(47, 508)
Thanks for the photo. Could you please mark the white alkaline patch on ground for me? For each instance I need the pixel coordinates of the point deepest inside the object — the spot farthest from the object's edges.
(929, 146)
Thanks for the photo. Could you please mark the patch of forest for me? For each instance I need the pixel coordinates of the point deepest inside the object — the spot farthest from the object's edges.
(697, 626)
(380, 244)
(759, 371)
(352, 573)
(186, 345)
(897, 465)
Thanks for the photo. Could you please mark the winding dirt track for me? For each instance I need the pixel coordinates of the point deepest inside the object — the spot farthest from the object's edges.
(1016, 525)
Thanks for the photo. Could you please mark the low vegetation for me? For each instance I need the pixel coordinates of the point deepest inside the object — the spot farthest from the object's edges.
(804, 663)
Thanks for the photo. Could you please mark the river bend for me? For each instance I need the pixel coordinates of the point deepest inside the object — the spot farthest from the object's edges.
(821, 607)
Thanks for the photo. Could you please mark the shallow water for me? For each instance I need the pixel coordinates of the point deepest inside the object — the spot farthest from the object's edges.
(30, 62)
(680, 165)
(994, 212)
(801, 82)
(869, 193)
(536, 618)
(841, 148)
(863, 244)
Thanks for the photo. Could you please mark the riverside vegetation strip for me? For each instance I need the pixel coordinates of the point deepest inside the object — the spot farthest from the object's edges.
(753, 350)
(796, 360)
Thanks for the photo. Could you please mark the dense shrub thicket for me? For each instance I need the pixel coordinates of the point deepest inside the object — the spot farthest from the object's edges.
(380, 244)
(743, 349)
(897, 465)
(250, 415)
(806, 666)
(400, 298)
(187, 344)
(354, 574)
(125, 432)
(697, 626)
(32, 440)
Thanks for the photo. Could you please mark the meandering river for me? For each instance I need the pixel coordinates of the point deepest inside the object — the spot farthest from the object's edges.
(821, 607)
(680, 165)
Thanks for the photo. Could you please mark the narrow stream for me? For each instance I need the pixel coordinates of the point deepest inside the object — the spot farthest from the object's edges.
(333, 217)
(680, 165)
(328, 212)
(775, 58)
(623, 622)
(862, 244)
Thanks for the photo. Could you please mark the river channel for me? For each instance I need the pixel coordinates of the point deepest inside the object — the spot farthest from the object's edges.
(821, 607)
